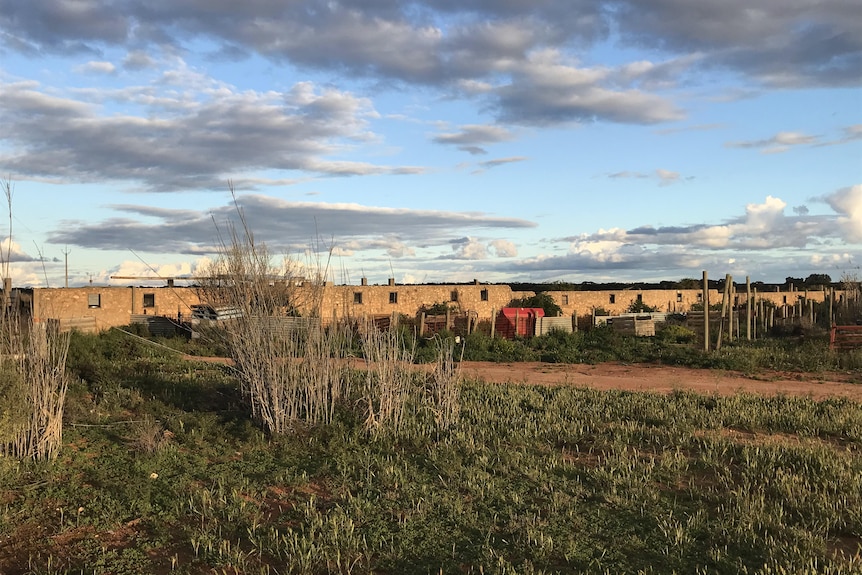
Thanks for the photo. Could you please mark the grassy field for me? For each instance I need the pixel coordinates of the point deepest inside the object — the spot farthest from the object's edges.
(162, 471)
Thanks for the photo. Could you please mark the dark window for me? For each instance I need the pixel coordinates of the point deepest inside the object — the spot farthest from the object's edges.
(484, 295)
(149, 300)
(699, 297)
(453, 296)
(679, 296)
(640, 298)
(613, 298)
(565, 299)
(393, 297)
(94, 300)
(357, 297)
(784, 299)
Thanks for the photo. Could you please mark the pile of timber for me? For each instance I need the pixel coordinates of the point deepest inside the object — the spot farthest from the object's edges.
(845, 337)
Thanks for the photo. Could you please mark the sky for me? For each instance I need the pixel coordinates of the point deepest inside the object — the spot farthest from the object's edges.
(433, 140)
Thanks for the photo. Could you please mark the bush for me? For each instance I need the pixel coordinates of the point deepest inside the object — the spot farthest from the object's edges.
(675, 334)
(540, 300)
(638, 306)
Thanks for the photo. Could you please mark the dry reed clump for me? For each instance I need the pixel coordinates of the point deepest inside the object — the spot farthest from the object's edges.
(33, 380)
(398, 394)
(33, 388)
(445, 383)
(148, 435)
(290, 374)
(390, 378)
(290, 369)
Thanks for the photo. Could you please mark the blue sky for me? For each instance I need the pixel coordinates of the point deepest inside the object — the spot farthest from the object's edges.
(434, 140)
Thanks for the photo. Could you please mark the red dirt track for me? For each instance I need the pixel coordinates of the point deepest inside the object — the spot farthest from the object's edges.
(657, 378)
(664, 379)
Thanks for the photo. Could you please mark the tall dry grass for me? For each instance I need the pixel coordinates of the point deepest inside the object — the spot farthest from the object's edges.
(294, 369)
(290, 369)
(391, 378)
(33, 379)
(398, 395)
(445, 384)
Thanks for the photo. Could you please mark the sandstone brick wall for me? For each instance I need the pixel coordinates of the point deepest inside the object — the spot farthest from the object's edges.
(111, 306)
(360, 301)
(618, 301)
(780, 298)
(116, 305)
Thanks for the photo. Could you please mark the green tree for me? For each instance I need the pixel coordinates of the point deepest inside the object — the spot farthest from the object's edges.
(818, 280)
(638, 306)
(542, 300)
(689, 283)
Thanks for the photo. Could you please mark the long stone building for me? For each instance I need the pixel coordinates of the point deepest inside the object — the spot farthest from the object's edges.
(102, 307)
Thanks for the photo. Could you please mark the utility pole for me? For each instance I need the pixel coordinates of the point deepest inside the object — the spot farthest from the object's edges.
(66, 254)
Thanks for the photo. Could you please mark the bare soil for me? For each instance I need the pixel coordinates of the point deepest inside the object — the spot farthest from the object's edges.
(659, 378)
(665, 379)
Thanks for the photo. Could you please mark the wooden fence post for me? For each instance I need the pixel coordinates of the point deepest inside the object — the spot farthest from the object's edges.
(705, 299)
(724, 297)
(748, 308)
(493, 321)
(758, 311)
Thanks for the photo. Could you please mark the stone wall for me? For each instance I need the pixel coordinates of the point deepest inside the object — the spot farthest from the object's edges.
(111, 306)
(370, 300)
(114, 306)
(618, 301)
(780, 298)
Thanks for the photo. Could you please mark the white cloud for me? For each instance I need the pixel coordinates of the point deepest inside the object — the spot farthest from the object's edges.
(504, 248)
(488, 164)
(284, 226)
(780, 142)
(664, 177)
(469, 138)
(847, 202)
(667, 177)
(158, 270)
(399, 249)
(183, 142)
(470, 249)
(138, 60)
(545, 89)
(96, 67)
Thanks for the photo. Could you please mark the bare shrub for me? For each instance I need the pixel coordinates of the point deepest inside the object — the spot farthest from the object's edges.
(148, 435)
(390, 378)
(399, 396)
(290, 368)
(445, 383)
(33, 394)
(33, 372)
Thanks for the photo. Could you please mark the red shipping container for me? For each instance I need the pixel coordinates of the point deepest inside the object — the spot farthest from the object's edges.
(517, 321)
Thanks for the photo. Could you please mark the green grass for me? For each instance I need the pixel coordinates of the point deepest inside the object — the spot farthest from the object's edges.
(672, 345)
(162, 472)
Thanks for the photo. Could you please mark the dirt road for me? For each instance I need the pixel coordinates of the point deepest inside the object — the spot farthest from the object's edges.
(659, 378)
